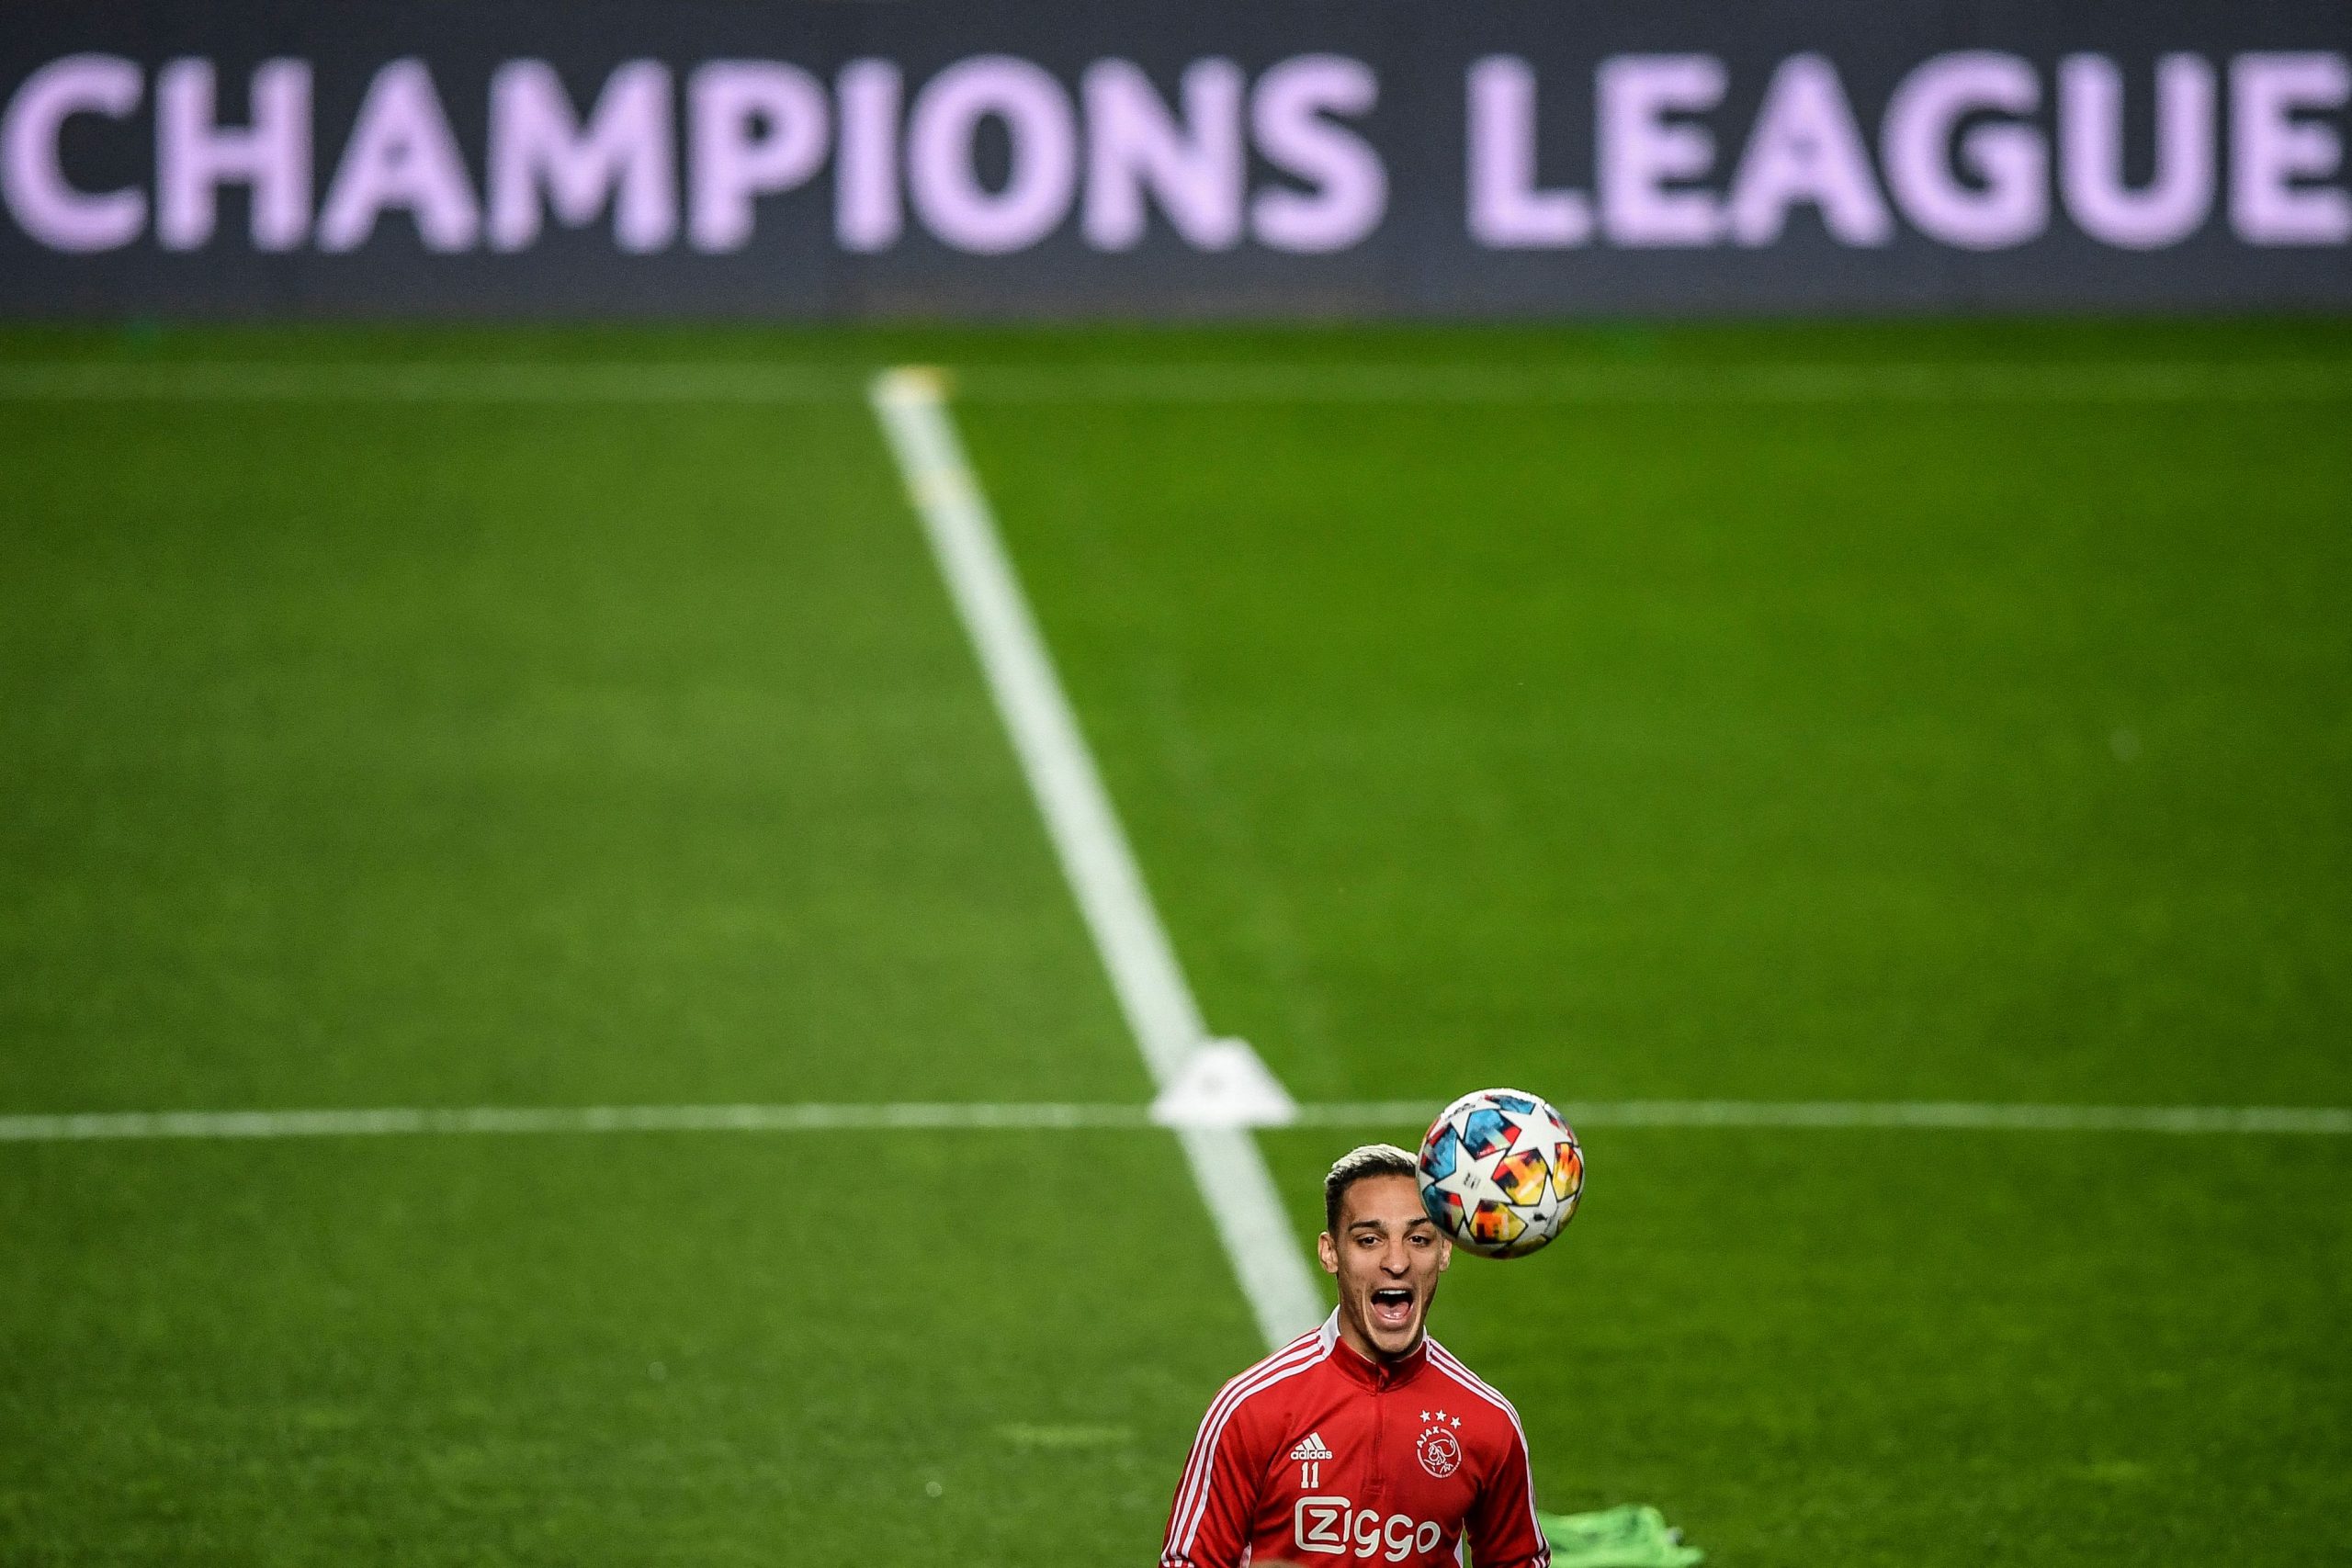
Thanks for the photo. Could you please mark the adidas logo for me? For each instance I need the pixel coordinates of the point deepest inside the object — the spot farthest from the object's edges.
(1311, 1447)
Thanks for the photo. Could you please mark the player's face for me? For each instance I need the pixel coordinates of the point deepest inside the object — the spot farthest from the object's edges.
(1386, 1257)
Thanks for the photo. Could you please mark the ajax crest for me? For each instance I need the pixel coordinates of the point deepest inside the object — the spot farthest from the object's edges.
(1439, 1445)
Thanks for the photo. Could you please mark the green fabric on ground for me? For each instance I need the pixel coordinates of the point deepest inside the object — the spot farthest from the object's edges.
(1631, 1535)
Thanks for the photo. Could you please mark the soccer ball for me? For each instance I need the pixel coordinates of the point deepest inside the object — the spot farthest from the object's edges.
(1500, 1172)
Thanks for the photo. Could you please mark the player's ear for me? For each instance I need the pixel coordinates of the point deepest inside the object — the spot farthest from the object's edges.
(1328, 1251)
(1444, 1253)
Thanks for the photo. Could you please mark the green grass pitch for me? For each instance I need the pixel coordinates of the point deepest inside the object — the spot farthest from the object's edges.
(369, 752)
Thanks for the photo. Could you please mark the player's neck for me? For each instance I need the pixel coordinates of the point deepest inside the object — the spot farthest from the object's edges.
(1352, 1336)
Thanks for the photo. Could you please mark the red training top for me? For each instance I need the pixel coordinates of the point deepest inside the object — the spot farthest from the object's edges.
(1318, 1452)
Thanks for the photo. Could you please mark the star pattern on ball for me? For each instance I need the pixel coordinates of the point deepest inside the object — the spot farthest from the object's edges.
(1538, 1123)
(1473, 1177)
(1500, 1172)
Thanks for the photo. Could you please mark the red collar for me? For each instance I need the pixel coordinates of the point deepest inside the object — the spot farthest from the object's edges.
(1379, 1375)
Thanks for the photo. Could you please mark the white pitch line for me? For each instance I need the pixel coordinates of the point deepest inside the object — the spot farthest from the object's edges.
(398, 1120)
(1145, 976)
(2148, 382)
(1959, 1116)
(454, 381)
(725, 382)
(1921, 1115)
(1044, 728)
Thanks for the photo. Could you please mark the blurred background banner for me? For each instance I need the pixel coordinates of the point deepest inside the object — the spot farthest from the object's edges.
(1276, 157)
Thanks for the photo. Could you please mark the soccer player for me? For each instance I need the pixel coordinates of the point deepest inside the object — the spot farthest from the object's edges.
(1365, 1438)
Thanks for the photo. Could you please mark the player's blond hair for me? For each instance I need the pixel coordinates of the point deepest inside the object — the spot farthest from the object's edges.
(1367, 1159)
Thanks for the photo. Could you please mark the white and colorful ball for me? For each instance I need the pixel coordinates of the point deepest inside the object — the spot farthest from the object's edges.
(1501, 1172)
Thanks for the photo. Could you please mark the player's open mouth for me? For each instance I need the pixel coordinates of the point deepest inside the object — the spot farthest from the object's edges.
(1392, 1307)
